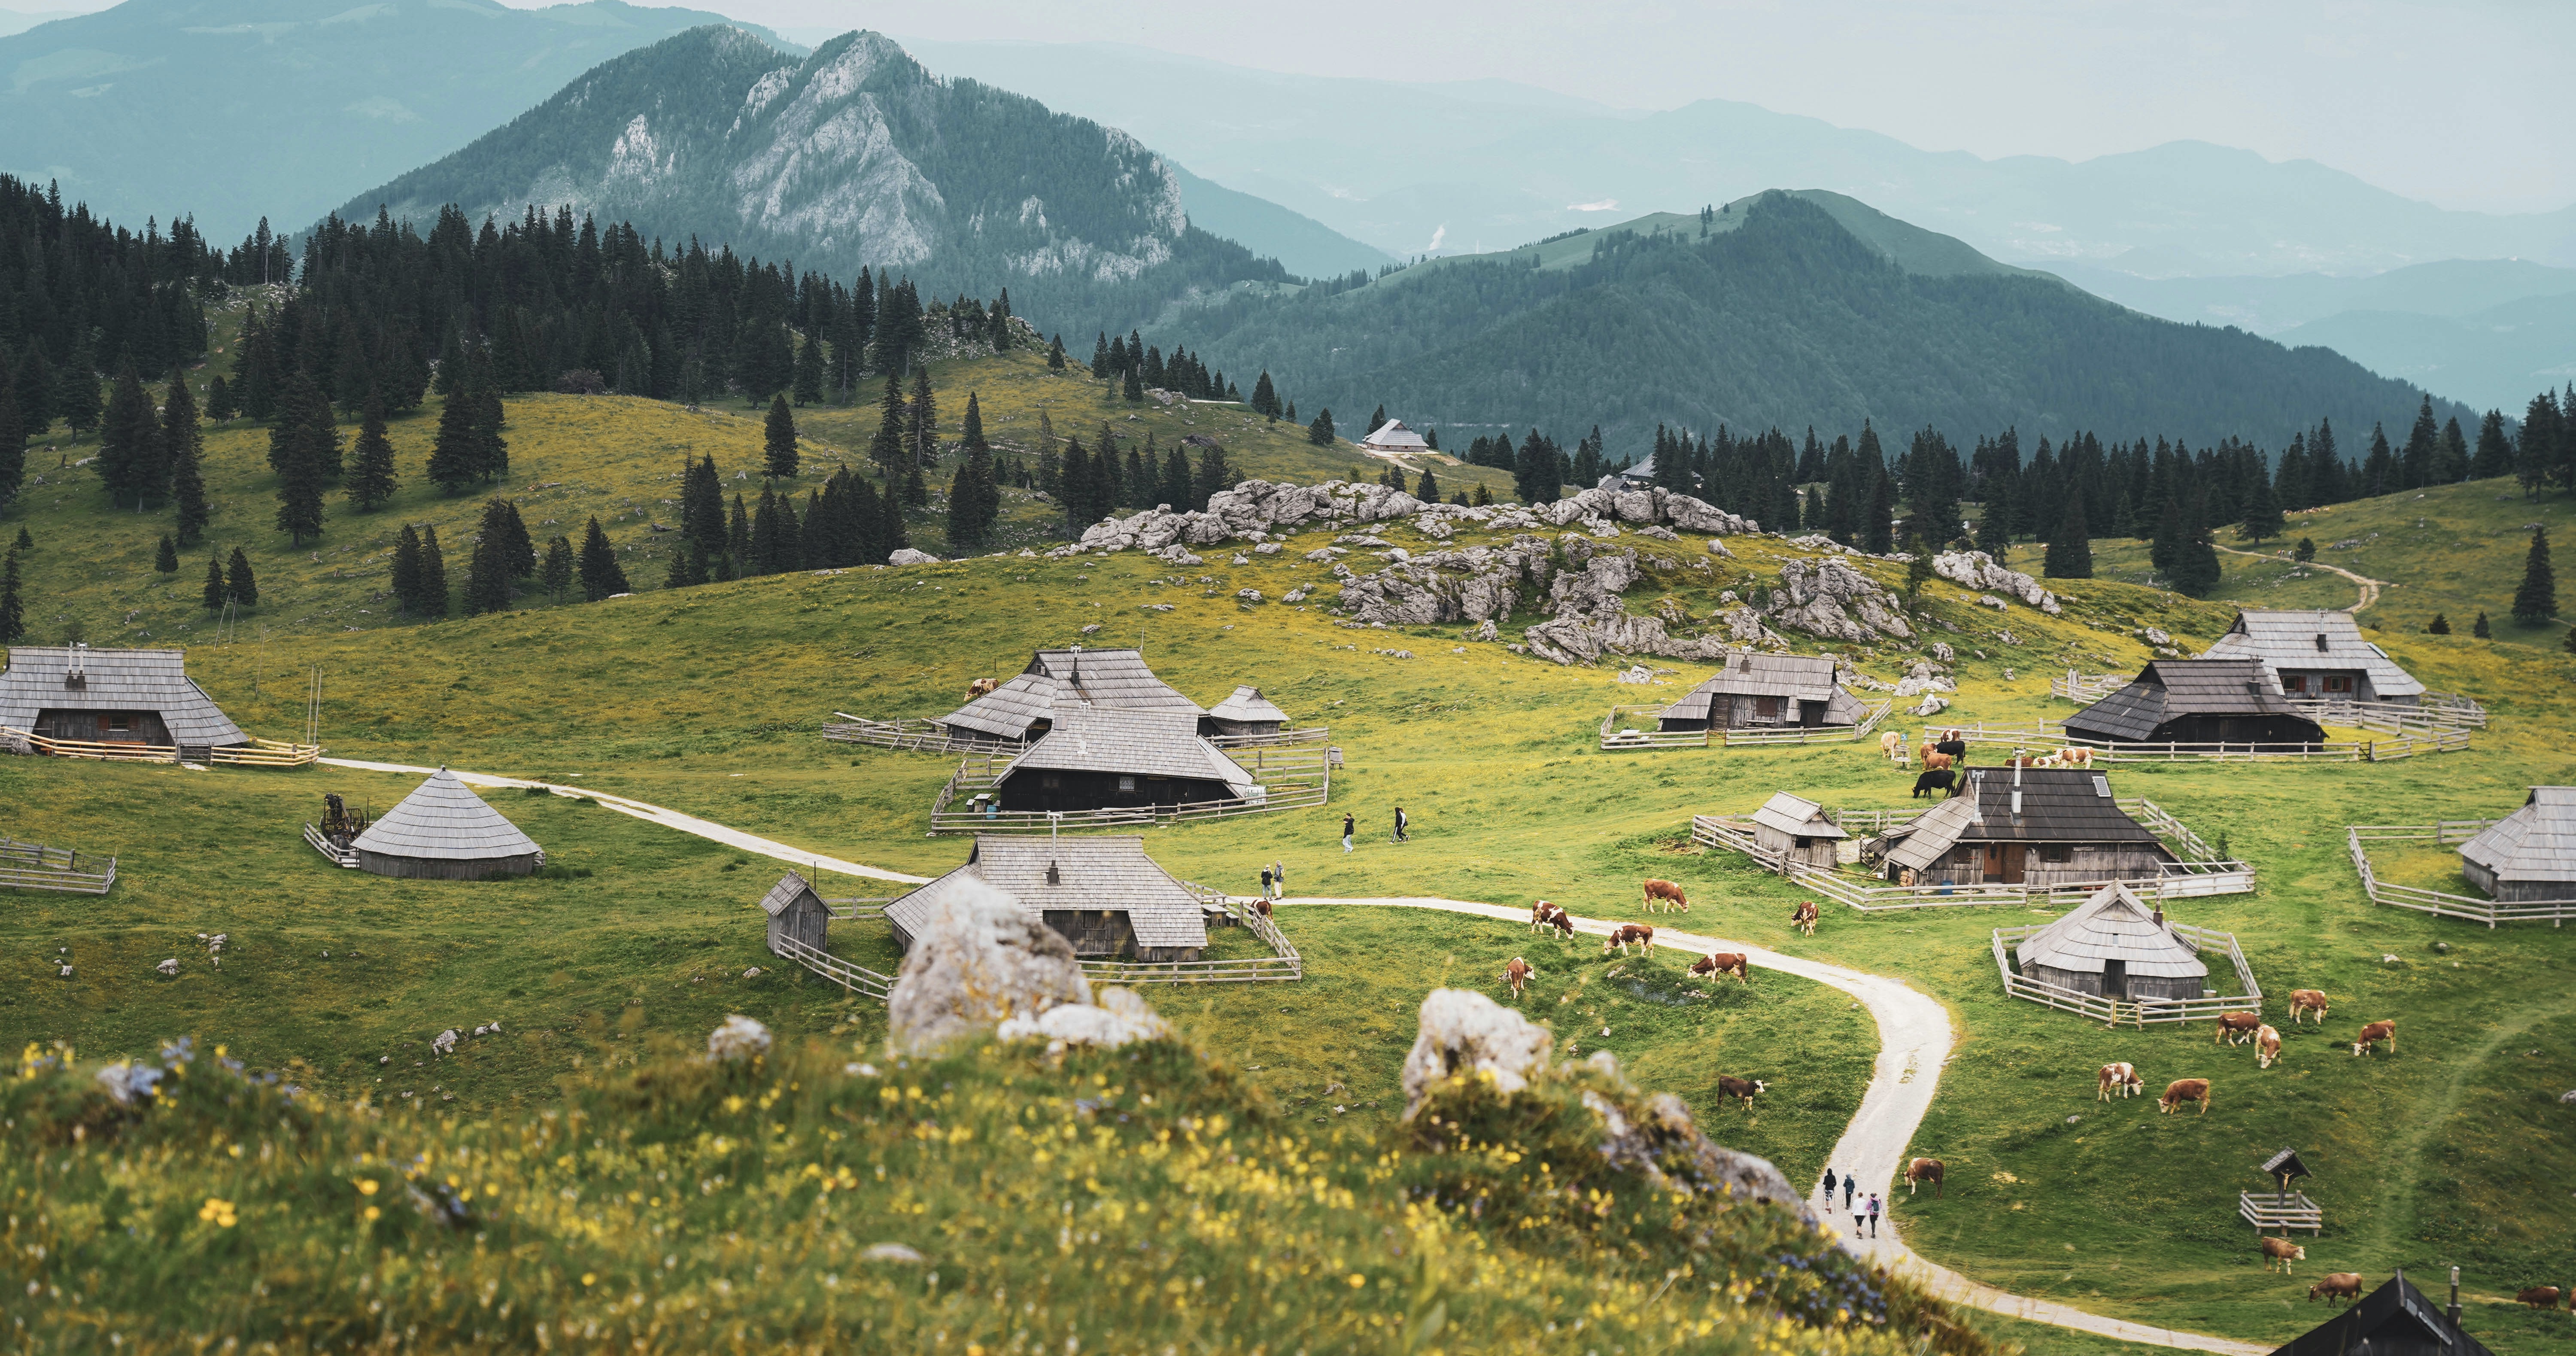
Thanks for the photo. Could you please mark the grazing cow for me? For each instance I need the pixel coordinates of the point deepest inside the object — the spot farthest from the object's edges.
(1742, 1090)
(2235, 1027)
(1261, 906)
(2306, 1001)
(1667, 895)
(2283, 1251)
(1941, 780)
(1541, 915)
(2376, 1031)
(2082, 758)
(1724, 963)
(1934, 760)
(2542, 1297)
(1517, 974)
(1893, 745)
(2117, 1080)
(1625, 933)
(1563, 923)
(2346, 1284)
(2267, 1046)
(2183, 1090)
(1804, 919)
(1921, 1170)
(981, 687)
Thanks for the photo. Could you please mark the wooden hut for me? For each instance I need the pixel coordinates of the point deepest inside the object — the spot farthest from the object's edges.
(1246, 712)
(2316, 655)
(140, 698)
(1099, 758)
(2395, 1320)
(2025, 826)
(797, 914)
(1024, 707)
(1393, 439)
(2197, 701)
(2530, 854)
(443, 831)
(1103, 894)
(1763, 691)
(2114, 945)
(1797, 829)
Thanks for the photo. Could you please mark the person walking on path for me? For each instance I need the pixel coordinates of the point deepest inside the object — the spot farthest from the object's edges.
(1265, 884)
(1850, 1183)
(1873, 1214)
(1278, 880)
(1829, 1191)
(1348, 827)
(1400, 823)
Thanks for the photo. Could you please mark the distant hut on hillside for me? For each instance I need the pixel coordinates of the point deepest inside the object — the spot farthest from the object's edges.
(2528, 855)
(1392, 438)
(2114, 945)
(1098, 758)
(2197, 701)
(2317, 655)
(137, 699)
(1797, 829)
(1245, 712)
(797, 914)
(2395, 1320)
(1758, 691)
(443, 831)
(1023, 708)
(1103, 894)
(2025, 826)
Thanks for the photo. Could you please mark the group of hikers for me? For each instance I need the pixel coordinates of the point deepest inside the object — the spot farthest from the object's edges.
(1864, 1215)
(1350, 827)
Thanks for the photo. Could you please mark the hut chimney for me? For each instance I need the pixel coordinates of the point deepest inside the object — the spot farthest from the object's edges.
(2454, 1314)
(2016, 797)
(1055, 818)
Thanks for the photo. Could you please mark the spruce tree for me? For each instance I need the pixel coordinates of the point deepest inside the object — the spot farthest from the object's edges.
(2482, 628)
(887, 449)
(974, 501)
(2569, 644)
(921, 425)
(183, 445)
(129, 443)
(738, 538)
(1918, 570)
(1878, 526)
(1427, 489)
(1055, 354)
(371, 476)
(240, 585)
(219, 401)
(2439, 626)
(1074, 487)
(214, 594)
(2195, 571)
(600, 575)
(778, 439)
(2070, 549)
(1994, 526)
(2536, 455)
(809, 371)
(406, 569)
(76, 398)
(2452, 463)
(971, 437)
(13, 608)
(1172, 487)
(518, 550)
(2262, 513)
(299, 490)
(487, 575)
(2494, 456)
(1265, 397)
(891, 534)
(2305, 551)
(1320, 432)
(165, 557)
(2537, 600)
(13, 441)
(492, 451)
(433, 574)
(762, 555)
(455, 456)
(557, 573)
(2164, 549)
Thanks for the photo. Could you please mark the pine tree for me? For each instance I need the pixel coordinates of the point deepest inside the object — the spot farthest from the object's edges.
(371, 476)
(2305, 551)
(974, 499)
(1214, 475)
(219, 401)
(1265, 397)
(1376, 421)
(487, 568)
(1055, 354)
(1134, 388)
(215, 594)
(1172, 488)
(2195, 571)
(2482, 628)
(518, 550)
(13, 608)
(432, 598)
(129, 443)
(455, 456)
(76, 398)
(2164, 550)
(492, 451)
(778, 439)
(1484, 495)
(702, 515)
(13, 440)
(2262, 514)
(406, 569)
(557, 573)
(2379, 469)
(1074, 487)
(971, 437)
(600, 575)
(809, 371)
(1918, 570)
(738, 537)
(183, 445)
(1878, 526)
(165, 558)
(2439, 626)
(1994, 526)
(1427, 489)
(2537, 600)
(2494, 456)
(299, 485)
(1320, 432)
(921, 427)
(240, 585)
(2070, 550)
(887, 449)
(2536, 455)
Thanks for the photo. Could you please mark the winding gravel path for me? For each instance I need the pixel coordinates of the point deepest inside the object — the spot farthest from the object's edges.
(2369, 587)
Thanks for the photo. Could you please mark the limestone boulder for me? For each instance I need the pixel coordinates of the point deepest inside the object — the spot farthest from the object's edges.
(1463, 1034)
(980, 962)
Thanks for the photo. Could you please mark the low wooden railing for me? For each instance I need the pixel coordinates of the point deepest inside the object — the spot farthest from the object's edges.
(858, 979)
(2272, 1210)
(1293, 777)
(848, 910)
(267, 753)
(919, 735)
(257, 753)
(2441, 904)
(2052, 735)
(2138, 1012)
(2208, 875)
(1614, 739)
(323, 845)
(34, 866)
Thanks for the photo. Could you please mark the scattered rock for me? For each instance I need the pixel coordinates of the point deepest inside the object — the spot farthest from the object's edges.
(738, 1037)
(1942, 653)
(1933, 704)
(1637, 674)
(1665, 1144)
(890, 1252)
(1466, 1033)
(444, 1043)
(909, 556)
(752, 973)
(1267, 548)
(979, 963)
(168, 967)
(1121, 1017)
(1977, 570)
(1813, 596)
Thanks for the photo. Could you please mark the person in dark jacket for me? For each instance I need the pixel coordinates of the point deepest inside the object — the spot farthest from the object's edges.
(1401, 823)
(1349, 826)
(1829, 1191)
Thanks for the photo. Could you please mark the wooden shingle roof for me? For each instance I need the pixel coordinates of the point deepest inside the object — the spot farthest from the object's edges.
(2311, 640)
(789, 888)
(2058, 805)
(2397, 1319)
(1247, 704)
(2112, 925)
(39, 679)
(2534, 843)
(443, 820)
(1110, 874)
(1110, 678)
(1796, 677)
(2168, 689)
(1797, 816)
(1133, 743)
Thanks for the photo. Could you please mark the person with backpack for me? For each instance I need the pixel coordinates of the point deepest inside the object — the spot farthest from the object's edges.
(1873, 1214)
(1400, 824)
(1265, 883)
(1349, 826)
(1278, 880)
(1829, 1191)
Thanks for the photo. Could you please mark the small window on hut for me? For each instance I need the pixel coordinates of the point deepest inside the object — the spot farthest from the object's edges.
(2294, 682)
(119, 724)
(2339, 682)
(1126, 783)
(2056, 852)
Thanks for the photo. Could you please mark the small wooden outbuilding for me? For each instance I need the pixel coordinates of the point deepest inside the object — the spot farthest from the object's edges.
(142, 698)
(2025, 826)
(797, 913)
(2114, 945)
(1764, 691)
(1098, 758)
(1103, 894)
(1798, 830)
(443, 831)
(2316, 655)
(2197, 701)
(1245, 712)
(1392, 438)
(2395, 1320)
(1024, 708)
(2529, 855)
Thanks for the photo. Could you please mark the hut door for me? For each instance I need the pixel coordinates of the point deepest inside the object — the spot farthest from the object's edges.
(2115, 979)
(2003, 863)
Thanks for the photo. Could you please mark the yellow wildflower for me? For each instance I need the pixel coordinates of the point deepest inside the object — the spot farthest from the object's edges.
(218, 1212)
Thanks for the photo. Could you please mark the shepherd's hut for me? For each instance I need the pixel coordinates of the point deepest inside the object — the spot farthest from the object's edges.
(1245, 712)
(797, 914)
(141, 699)
(443, 831)
(1394, 439)
(2530, 854)
(1797, 829)
(1103, 894)
(1024, 708)
(2317, 655)
(2197, 701)
(2395, 1320)
(1762, 691)
(2025, 826)
(2114, 945)
(1097, 758)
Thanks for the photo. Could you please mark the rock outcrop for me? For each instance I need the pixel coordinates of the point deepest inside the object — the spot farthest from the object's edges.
(1820, 597)
(1122, 1017)
(1255, 509)
(1466, 1033)
(1977, 570)
(981, 962)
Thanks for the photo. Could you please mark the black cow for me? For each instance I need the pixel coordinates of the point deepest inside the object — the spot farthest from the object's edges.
(1940, 780)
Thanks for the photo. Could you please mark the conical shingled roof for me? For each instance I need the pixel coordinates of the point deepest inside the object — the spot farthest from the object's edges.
(2534, 843)
(443, 820)
(2113, 925)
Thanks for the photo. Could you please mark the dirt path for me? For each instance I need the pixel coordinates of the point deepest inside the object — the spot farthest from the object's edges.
(2369, 587)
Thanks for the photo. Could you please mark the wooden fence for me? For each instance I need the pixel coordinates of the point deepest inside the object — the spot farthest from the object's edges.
(2436, 711)
(1614, 738)
(267, 753)
(858, 979)
(2139, 1012)
(2271, 1210)
(2447, 833)
(919, 735)
(348, 857)
(2052, 735)
(257, 753)
(34, 866)
(1292, 777)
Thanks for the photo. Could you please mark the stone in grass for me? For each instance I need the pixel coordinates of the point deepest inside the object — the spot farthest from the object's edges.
(979, 962)
(1465, 1033)
(909, 556)
(1121, 1018)
(738, 1037)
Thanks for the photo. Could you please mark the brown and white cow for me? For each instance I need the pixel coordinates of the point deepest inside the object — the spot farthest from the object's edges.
(2235, 1027)
(2117, 1080)
(1921, 1170)
(2305, 1003)
(1724, 963)
(2372, 1034)
(2345, 1285)
(1625, 933)
(2283, 1251)
(2267, 1046)
(2542, 1297)
(1804, 919)
(2183, 1090)
(1517, 974)
(1741, 1089)
(1936, 761)
(1666, 895)
(1546, 915)
(1261, 906)
(981, 687)
(2071, 757)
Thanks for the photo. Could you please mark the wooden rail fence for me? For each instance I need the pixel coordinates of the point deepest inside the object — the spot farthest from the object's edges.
(348, 858)
(1293, 776)
(1614, 738)
(257, 753)
(2052, 735)
(919, 735)
(2272, 1210)
(2139, 1012)
(2446, 833)
(34, 866)
(2437, 710)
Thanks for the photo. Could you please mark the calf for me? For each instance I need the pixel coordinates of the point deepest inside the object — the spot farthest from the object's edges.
(1667, 895)
(1941, 780)
(1724, 963)
(2235, 1027)
(1804, 919)
(1625, 933)
(2306, 1001)
(2183, 1090)
(1742, 1090)
(1543, 914)
(2346, 1284)
(1935, 761)
(981, 687)
(2117, 1080)
(1517, 974)
(1893, 745)
(2542, 1297)
(2376, 1031)
(2283, 1251)
(1262, 907)
(1921, 1170)
(2267, 1046)
(2075, 758)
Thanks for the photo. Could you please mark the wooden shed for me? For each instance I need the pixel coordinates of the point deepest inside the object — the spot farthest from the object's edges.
(2529, 855)
(1245, 712)
(1763, 691)
(1024, 708)
(2197, 701)
(1103, 894)
(2316, 655)
(2395, 1320)
(2114, 945)
(443, 831)
(142, 698)
(2025, 826)
(1797, 829)
(1098, 758)
(797, 913)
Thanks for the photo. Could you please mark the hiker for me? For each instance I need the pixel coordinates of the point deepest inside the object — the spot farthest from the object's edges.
(1265, 884)
(1829, 1191)
(1873, 1214)
(1348, 828)
(1278, 880)
(1400, 822)
(1851, 1182)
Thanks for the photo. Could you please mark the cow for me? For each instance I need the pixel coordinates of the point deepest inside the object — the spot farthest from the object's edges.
(2117, 1080)
(1893, 745)
(1261, 906)
(1921, 1170)
(1541, 915)
(1562, 922)
(2235, 1027)
(2082, 758)
(1517, 974)
(2283, 1251)
(2376, 1031)
(1625, 933)
(2183, 1090)
(2267, 1046)
(981, 687)
(1742, 1090)
(1934, 760)
(2306, 1001)
(1724, 963)
(2346, 1284)
(1941, 780)
(1804, 919)
(2542, 1297)
(1665, 894)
